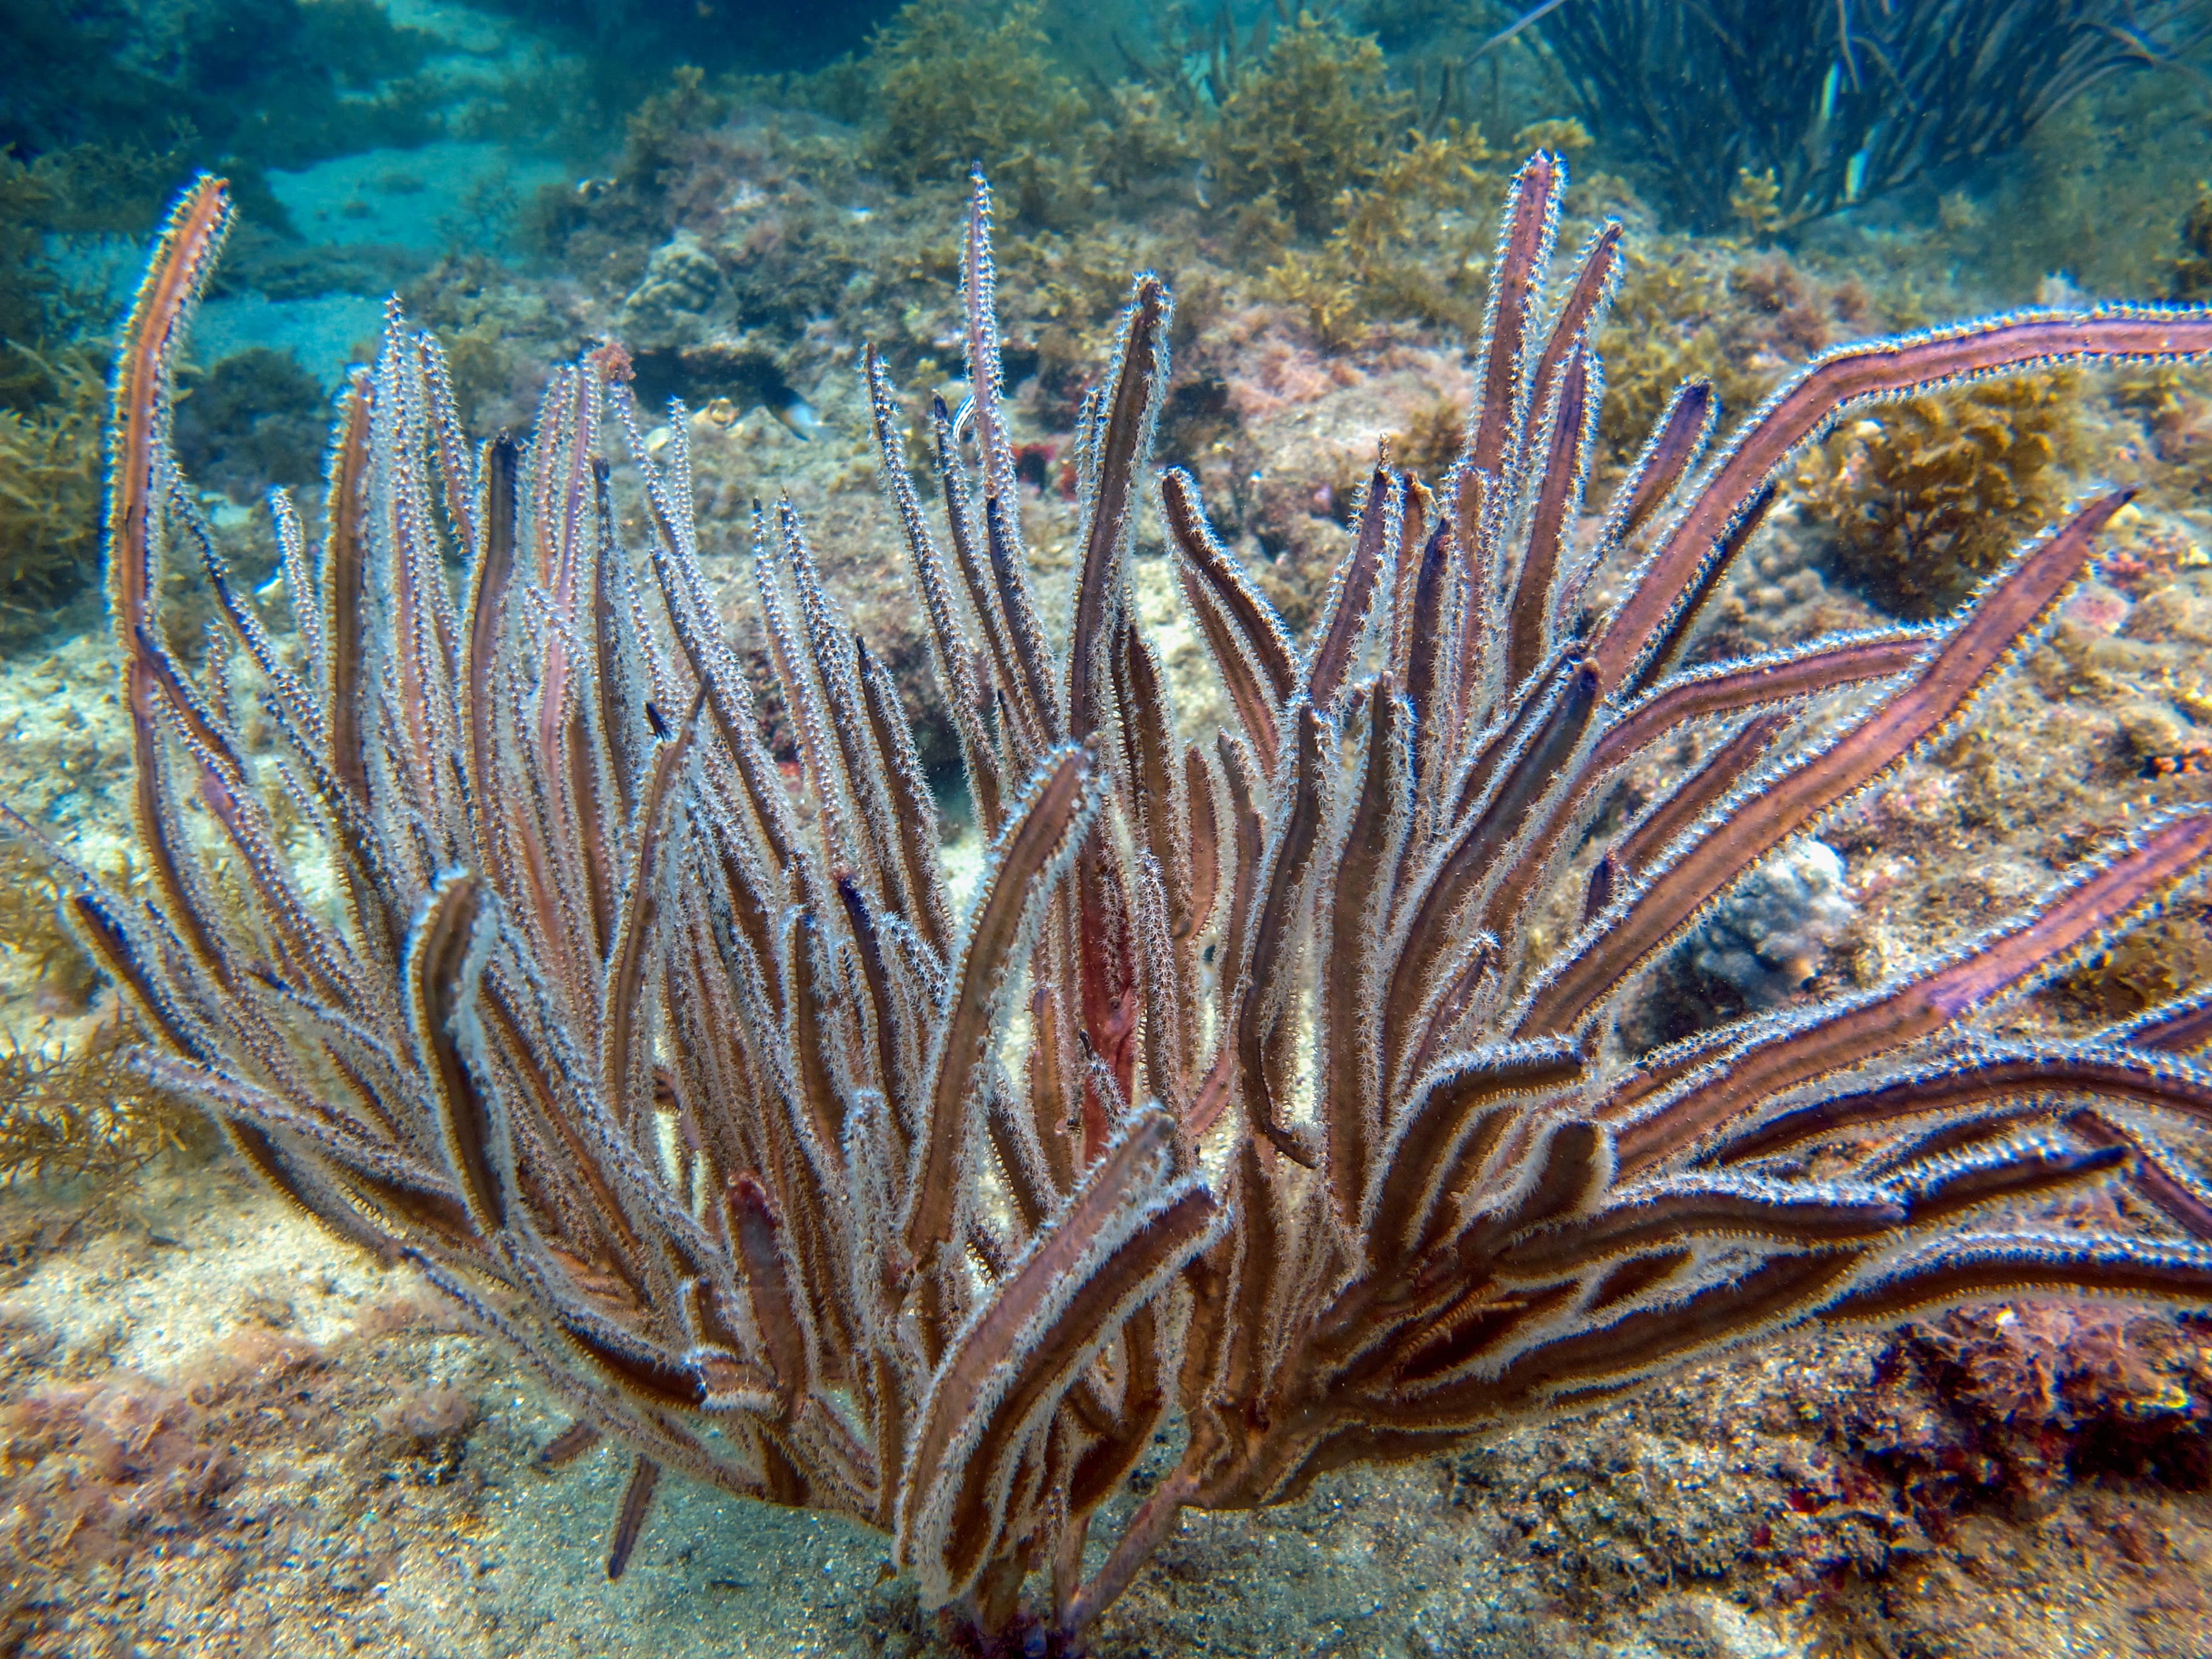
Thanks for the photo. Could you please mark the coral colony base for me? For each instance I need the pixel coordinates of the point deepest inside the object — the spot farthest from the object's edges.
(1242, 1094)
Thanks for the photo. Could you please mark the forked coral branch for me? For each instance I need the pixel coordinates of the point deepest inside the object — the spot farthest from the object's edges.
(778, 1170)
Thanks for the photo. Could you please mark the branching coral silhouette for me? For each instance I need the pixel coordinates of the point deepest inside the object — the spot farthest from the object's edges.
(1242, 1090)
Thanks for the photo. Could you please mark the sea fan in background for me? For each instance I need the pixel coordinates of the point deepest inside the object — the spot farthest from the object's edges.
(1828, 104)
(1239, 1088)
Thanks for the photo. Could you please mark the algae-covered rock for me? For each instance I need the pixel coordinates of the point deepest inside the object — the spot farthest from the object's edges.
(257, 419)
(670, 307)
(1411, 242)
(2188, 273)
(2163, 958)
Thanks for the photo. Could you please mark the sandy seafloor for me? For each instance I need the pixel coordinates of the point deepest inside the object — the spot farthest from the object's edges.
(223, 1434)
(359, 1478)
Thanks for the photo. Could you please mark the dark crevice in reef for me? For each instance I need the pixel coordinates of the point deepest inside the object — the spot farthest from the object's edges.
(747, 376)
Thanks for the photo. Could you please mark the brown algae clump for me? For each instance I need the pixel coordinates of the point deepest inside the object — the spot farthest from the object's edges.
(1311, 120)
(50, 494)
(953, 87)
(1927, 496)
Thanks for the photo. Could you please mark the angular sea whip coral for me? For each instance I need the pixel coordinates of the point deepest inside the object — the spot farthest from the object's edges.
(684, 1092)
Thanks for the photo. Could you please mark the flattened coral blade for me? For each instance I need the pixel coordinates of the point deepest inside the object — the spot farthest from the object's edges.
(624, 681)
(1638, 1343)
(1567, 1168)
(628, 953)
(299, 710)
(966, 531)
(2083, 912)
(487, 609)
(2012, 610)
(1265, 974)
(1667, 457)
(1255, 710)
(1426, 1142)
(1666, 649)
(912, 833)
(1778, 679)
(757, 1238)
(631, 1515)
(136, 483)
(2004, 1174)
(1062, 1344)
(1009, 577)
(1258, 630)
(456, 468)
(159, 825)
(99, 919)
(1421, 661)
(175, 277)
(1247, 832)
(979, 298)
(2184, 1199)
(1140, 365)
(1352, 595)
(1528, 611)
(2021, 1264)
(1677, 811)
(1038, 837)
(1350, 1083)
(1795, 1052)
(1147, 723)
(1426, 1361)
(949, 644)
(1145, 1351)
(2178, 1026)
(1524, 248)
(566, 1447)
(864, 762)
(437, 984)
(1579, 314)
(1982, 1079)
(946, 635)
(187, 707)
(1664, 1215)
(346, 589)
(1854, 374)
(1671, 816)
(810, 687)
(306, 947)
(1205, 839)
(884, 1025)
(1475, 843)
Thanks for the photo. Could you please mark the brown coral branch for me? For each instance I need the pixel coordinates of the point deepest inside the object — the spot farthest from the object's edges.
(701, 1100)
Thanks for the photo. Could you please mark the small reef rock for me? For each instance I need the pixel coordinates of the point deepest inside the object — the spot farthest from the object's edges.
(1769, 937)
(670, 307)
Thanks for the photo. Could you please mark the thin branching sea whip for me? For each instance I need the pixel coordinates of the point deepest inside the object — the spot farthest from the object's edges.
(1240, 1093)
